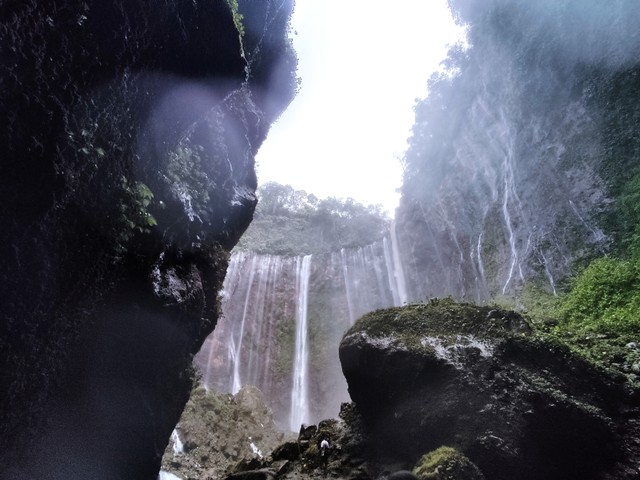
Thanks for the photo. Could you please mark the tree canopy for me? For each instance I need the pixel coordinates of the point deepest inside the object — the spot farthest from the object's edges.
(294, 222)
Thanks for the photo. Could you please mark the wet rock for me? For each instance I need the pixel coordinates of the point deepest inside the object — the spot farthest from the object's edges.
(262, 474)
(127, 158)
(402, 475)
(286, 451)
(518, 405)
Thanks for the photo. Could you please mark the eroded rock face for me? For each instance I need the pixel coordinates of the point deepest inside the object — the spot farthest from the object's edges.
(127, 157)
(476, 378)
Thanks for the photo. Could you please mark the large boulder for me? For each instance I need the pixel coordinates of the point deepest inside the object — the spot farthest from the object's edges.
(127, 158)
(477, 378)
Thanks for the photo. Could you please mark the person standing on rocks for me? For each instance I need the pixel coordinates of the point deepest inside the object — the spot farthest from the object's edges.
(324, 453)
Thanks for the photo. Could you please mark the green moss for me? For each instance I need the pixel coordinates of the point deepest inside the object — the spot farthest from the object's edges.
(134, 218)
(446, 463)
(616, 352)
(438, 317)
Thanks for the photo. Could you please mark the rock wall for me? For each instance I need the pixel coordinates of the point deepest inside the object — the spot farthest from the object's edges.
(127, 161)
(517, 153)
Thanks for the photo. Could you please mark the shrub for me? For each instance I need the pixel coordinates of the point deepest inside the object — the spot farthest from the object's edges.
(605, 295)
(446, 463)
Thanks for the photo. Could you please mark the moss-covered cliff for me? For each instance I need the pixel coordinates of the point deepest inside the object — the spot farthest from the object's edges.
(127, 158)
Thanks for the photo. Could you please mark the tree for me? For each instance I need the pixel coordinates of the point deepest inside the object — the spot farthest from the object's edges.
(293, 222)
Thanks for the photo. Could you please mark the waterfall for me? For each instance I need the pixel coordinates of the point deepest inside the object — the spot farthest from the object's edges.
(347, 285)
(270, 302)
(231, 281)
(238, 353)
(398, 271)
(178, 446)
(235, 346)
(300, 390)
(167, 476)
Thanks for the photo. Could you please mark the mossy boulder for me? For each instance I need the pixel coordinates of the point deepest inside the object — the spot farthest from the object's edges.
(477, 378)
(446, 463)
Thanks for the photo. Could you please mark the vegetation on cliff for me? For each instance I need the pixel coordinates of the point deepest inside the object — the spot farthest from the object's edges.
(293, 222)
(500, 191)
(217, 430)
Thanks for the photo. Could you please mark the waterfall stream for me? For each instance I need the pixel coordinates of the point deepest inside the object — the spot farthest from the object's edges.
(283, 319)
(300, 390)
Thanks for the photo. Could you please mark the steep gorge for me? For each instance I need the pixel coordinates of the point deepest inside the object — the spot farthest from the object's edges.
(515, 161)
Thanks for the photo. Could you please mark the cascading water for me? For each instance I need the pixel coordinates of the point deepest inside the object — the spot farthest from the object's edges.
(516, 156)
(300, 390)
(247, 297)
(499, 190)
(399, 285)
(235, 346)
(270, 303)
(178, 446)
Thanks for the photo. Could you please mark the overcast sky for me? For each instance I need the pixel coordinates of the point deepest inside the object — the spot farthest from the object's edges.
(362, 63)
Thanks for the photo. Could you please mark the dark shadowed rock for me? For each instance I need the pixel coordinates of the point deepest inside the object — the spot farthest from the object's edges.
(127, 157)
(286, 451)
(402, 475)
(517, 405)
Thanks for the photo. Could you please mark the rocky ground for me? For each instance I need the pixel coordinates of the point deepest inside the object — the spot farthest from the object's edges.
(442, 391)
(218, 430)
(227, 454)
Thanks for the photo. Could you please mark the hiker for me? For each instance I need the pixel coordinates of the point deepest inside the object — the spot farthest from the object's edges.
(324, 453)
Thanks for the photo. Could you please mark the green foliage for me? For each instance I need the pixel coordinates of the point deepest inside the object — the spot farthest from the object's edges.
(285, 342)
(616, 352)
(133, 208)
(605, 296)
(186, 175)
(237, 20)
(446, 463)
(443, 317)
(534, 300)
(292, 222)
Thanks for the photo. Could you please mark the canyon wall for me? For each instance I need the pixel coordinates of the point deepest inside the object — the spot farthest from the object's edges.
(130, 130)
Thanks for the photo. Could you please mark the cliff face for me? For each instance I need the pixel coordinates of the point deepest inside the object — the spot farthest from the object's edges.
(521, 148)
(127, 175)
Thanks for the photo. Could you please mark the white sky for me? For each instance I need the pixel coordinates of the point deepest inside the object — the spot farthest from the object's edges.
(362, 63)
